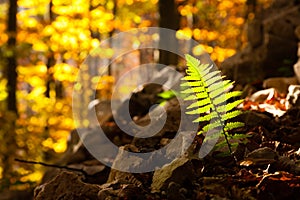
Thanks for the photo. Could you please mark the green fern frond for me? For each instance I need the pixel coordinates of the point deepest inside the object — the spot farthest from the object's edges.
(209, 92)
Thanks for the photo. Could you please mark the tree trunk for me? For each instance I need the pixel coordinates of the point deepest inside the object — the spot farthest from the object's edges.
(51, 60)
(111, 33)
(51, 82)
(169, 18)
(9, 142)
(11, 60)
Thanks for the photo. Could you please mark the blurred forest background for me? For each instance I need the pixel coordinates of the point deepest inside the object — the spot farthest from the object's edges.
(44, 42)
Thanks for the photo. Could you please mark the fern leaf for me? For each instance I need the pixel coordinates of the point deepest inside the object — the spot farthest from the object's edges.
(233, 94)
(232, 114)
(207, 117)
(193, 90)
(234, 104)
(213, 80)
(230, 106)
(210, 75)
(191, 97)
(215, 86)
(199, 103)
(200, 110)
(203, 118)
(216, 93)
(192, 61)
(197, 96)
(227, 84)
(220, 100)
(190, 78)
(191, 84)
(233, 125)
(211, 126)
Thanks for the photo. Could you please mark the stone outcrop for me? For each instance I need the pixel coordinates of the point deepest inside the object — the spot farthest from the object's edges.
(272, 46)
(67, 186)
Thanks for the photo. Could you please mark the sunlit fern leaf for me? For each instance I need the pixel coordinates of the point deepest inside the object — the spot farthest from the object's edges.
(209, 92)
(233, 94)
(213, 80)
(233, 125)
(200, 110)
(191, 84)
(230, 106)
(232, 114)
(210, 126)
(207, 117)
(212, 74)
(201, 102)
(228, 95)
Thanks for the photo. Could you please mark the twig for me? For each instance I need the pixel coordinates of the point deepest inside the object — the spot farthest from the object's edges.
(52, 165)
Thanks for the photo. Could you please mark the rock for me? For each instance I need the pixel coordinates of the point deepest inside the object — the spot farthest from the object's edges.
(272, 43)
(281, 84)
(297, 70)
(281, 28)
(291, 116)
(275, 58)
(102, 109)
(174, 191)
(293, 97)
(255, 33)
(291, 137)
(108, 194)
(173, 120)
(119, 190)
(178, 171)
(140, 102)
(242, 68)
(297, 33)
(95, 172)
(121, 162)
(281, 3)
(66, 186)
(125, 161)
(254, 119)
(130, 191)
(259, 157)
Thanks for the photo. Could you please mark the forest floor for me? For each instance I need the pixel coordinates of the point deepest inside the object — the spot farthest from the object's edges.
(265, 164)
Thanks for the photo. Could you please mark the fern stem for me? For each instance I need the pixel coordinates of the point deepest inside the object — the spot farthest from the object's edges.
(224, 132)
(227, 141)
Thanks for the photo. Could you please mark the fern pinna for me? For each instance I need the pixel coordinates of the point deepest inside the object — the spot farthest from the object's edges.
(206, 88)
